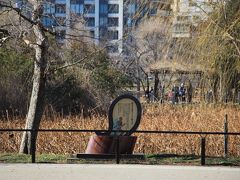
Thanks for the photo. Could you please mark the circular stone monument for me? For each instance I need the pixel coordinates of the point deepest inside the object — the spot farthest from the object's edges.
(124, 118)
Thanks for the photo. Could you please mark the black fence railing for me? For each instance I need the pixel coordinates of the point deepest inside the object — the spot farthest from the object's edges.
(117, 155)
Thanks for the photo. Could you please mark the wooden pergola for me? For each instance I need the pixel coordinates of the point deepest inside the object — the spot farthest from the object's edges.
(174, 67)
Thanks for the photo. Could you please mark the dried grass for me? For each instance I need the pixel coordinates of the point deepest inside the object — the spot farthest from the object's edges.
(155, 117)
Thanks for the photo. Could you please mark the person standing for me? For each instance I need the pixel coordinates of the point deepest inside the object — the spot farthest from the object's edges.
(182, 91)
(189, 93)
(151, 94)
(162, 91)
(175, 93)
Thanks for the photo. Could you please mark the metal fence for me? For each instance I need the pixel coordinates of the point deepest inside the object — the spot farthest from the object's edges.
(117, 154)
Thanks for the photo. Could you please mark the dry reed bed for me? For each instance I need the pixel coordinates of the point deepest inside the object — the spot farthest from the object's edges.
(155, 117)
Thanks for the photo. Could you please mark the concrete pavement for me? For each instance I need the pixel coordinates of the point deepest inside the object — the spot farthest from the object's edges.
(114, 172)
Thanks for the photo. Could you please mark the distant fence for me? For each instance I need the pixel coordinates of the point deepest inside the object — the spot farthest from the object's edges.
(117, 154)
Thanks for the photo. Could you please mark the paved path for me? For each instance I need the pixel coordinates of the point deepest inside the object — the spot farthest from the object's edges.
(114, 172)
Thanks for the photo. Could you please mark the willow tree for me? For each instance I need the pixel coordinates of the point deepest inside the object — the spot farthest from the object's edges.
(219, 47)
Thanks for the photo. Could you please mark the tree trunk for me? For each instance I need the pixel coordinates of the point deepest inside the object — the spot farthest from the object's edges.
(156, 86)
(138, 80)
(224, 86)
(37, 97)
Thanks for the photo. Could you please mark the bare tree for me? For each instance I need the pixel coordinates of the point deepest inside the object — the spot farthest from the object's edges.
(25, 25)
(150, 43)
(40, 44)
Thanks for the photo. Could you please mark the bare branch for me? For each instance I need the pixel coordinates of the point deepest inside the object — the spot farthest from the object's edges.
(29, 20)
(79, 61)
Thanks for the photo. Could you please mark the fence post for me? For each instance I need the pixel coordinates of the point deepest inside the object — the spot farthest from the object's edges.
(117, 150)
(33, 145)
(203, 149)
(225, 135)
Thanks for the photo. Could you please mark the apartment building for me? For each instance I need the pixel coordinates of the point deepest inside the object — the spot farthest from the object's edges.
(137, 11)
(103, 19)
(107, 21)
(187, 14)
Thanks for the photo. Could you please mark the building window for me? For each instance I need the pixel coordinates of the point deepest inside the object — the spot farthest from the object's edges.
(113, 35)
(60, 8)
(103, 9)
(113, 8)
(92, 34)
(90, 22)
(59, 1)
(77, 8)
(47, 22)
(183, 18)
(103, 21)
(103, 33)
(181, 28)
(49, 8)
(113, 22)
(75, 1)
(89, 8)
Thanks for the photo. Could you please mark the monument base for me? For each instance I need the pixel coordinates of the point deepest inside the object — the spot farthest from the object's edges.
(105, 144)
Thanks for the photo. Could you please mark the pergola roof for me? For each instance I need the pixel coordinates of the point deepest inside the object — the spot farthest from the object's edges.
(175, 67)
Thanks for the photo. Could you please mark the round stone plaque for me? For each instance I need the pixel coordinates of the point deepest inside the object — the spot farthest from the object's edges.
(124, 115)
